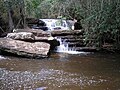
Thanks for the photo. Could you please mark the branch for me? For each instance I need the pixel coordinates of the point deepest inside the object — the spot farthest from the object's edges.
(2, 29)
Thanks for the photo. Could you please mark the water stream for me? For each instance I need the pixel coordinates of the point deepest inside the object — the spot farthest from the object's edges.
(64, 48)
(61, 71)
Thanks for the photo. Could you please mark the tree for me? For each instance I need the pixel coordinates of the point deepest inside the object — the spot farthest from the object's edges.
(98, 17)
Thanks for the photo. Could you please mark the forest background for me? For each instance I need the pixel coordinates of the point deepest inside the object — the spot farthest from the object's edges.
(100, 18)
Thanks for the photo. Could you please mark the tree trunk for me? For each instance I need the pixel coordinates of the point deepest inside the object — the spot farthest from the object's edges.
(11, 25)
(22, 14)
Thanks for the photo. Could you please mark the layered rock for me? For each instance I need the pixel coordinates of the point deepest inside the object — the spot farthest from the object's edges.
(34, 36)
(36, 32)
(75, 39)
(26, 49)
(66, 32)
(28, 43)
(25, 36)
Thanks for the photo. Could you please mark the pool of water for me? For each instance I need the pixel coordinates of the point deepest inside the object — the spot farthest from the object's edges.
(61, 71)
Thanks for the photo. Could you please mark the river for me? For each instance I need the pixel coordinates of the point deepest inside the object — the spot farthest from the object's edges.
(61, 71)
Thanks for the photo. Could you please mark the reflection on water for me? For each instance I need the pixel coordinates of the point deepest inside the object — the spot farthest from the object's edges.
(61, 72)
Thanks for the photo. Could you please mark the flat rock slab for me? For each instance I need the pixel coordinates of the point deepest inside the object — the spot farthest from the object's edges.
(28, 36)
(26, 49)
(25, 36)
(36, 32)
(66, 32)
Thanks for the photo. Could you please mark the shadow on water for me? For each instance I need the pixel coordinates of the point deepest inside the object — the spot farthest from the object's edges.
(62, 71)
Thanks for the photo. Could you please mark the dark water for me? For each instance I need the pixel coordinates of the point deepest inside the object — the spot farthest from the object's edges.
(96, 71)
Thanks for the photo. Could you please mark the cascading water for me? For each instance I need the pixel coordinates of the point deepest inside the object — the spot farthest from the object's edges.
(1, 57)
(64, 47)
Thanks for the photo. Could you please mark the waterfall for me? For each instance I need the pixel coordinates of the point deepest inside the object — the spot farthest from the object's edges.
(64, 47)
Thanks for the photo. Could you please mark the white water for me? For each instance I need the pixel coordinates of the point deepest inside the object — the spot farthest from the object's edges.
(64, 48)
(1, 57)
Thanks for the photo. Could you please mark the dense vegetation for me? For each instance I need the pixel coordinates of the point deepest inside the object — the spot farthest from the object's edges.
(11, 15)
(100, 18)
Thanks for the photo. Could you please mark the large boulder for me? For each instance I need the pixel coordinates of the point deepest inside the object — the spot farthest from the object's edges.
(28, 36)
(26, 49)
(32, 37)
(28, 43)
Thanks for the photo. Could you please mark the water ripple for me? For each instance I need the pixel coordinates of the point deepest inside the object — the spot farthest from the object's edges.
(17, 80)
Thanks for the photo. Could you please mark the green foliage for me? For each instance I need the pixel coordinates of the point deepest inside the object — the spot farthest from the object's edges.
(32, 8)
(102, 22)
(52, 8)
(3, 10)
(100, 18)
(11, 12)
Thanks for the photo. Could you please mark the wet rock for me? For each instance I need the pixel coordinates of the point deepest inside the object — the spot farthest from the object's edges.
(26, 49)
(66, 32)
